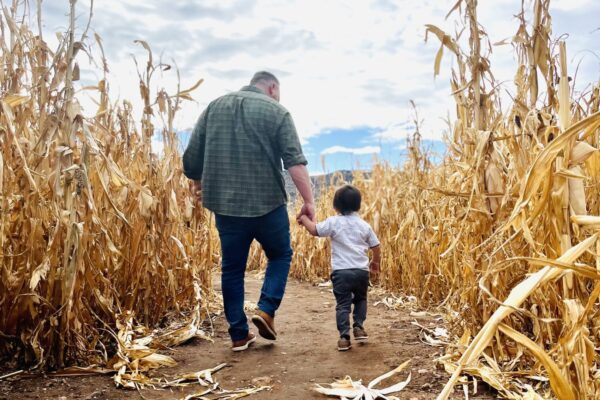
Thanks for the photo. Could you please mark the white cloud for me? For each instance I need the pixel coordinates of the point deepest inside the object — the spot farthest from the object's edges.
(158, 146)
(342, 64)
(395, 132)
(571, 5)
(356, 151)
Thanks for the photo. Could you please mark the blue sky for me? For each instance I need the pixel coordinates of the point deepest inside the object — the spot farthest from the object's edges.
(359, 148)
(348, 69)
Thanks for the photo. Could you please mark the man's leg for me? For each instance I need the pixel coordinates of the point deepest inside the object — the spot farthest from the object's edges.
(343, 301)
(273, 233)
(235, 244)
(361, 286)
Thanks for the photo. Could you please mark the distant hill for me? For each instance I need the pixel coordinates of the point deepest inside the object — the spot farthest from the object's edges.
(320, 182)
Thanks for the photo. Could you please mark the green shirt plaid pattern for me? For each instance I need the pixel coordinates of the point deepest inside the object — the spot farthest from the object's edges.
(236, 150)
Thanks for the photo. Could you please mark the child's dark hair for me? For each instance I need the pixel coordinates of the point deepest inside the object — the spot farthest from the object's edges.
(347, 200)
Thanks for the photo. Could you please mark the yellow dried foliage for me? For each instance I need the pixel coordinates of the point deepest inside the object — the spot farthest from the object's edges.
(497, 234)
(502, 234)
(92, 223)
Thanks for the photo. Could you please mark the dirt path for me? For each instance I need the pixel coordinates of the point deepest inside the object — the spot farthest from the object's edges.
(304, 353)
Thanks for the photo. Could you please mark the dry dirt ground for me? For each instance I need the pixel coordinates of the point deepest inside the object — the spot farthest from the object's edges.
(304, 354)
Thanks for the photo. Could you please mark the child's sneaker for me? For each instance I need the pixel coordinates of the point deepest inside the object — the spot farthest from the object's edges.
(360, 335)
(344, 344)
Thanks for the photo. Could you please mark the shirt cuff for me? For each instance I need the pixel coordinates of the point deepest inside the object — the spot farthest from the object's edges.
(298, 160)
(317, 229)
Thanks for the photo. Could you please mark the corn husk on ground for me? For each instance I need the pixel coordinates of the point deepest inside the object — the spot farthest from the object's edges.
(355, 390)
(93, 224)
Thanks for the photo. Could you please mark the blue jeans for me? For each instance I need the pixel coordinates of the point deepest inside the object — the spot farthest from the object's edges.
(350, 287)
(272, 231)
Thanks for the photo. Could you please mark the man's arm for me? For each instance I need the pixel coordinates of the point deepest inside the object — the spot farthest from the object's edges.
(301, 179)
(295, 162)
(193, 157)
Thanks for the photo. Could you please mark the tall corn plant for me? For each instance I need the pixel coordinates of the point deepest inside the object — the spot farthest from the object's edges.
(92, 223)
(502, 233)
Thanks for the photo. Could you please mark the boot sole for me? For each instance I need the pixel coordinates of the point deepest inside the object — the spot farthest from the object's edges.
(344, 348)
(245, 346)
(263, 327)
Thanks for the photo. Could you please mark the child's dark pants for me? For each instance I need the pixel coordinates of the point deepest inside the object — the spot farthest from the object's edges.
(350, 287)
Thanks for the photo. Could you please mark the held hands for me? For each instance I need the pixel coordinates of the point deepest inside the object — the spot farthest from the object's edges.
(302, 220)
(308, 223)
(308, 211)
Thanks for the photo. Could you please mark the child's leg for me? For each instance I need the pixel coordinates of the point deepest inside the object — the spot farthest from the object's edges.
(361, 286)
(342, 290)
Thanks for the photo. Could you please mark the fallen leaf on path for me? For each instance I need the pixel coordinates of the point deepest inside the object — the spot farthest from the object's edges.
(347, 388)
(393, 302)
(138, 349)
(433, 337)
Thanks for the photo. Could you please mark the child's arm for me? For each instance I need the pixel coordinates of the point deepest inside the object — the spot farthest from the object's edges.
(310, 226)
(374, 265)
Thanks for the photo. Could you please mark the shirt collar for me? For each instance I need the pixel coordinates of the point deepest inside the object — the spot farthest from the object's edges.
(251, 88)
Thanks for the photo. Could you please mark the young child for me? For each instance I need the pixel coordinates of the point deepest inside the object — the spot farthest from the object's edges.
(351, 238)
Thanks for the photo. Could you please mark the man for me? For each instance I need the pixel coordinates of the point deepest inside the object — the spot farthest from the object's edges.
(234, 159)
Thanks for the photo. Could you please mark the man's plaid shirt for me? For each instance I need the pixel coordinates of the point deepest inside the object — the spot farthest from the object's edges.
(236, 150)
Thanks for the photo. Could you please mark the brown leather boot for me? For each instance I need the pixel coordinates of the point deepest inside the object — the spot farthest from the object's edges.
(241, 345)
(265, 324)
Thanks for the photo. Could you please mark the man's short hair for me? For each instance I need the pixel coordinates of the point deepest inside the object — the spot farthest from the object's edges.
(264, 77)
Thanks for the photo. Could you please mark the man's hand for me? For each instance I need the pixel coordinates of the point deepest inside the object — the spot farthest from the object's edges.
(196, 189)
(308, 209)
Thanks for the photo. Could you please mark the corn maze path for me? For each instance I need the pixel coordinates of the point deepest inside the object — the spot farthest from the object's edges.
(304, 354)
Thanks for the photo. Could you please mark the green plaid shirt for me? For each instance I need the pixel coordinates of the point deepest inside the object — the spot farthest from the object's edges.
(236, 150)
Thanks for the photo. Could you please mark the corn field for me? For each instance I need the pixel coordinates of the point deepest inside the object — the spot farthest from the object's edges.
(502, 235)
(93, 225)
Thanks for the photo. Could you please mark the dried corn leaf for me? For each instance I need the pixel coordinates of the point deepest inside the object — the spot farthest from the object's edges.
(347, 388)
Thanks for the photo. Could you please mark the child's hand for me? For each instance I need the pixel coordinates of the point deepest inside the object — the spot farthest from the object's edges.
(374, 267)
(310, 226)
(374, 272)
